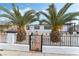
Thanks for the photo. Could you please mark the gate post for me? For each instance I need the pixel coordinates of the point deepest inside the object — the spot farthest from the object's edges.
(29, 42)
(41, 42)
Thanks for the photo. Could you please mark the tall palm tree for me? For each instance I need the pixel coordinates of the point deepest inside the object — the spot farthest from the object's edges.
(19, 20)
(57, 19)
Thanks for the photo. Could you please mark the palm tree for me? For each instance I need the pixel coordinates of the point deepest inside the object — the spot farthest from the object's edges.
(56, 19)
(19, 20)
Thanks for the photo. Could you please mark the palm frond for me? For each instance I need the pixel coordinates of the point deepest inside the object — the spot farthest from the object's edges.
(17, 14)
(38, 16)
(68, 17)
(6, 10)
(28, 15)
(16, 11)
(7, 16)
(32, 20)
(63, 10)
(73, 14)
(52, 12)
(67, 20)
(44, 20)
(47, 16)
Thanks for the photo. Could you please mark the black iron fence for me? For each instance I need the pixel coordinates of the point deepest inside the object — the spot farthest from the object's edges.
(67, 39)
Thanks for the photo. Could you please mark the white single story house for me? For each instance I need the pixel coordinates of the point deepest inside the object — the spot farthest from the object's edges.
(44, 28)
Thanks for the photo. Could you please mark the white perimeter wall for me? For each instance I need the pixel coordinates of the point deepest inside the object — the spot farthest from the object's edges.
(60, 50)
(45, 49)
(19, 47)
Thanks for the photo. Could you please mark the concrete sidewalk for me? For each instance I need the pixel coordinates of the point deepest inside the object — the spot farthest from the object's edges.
(20, 53)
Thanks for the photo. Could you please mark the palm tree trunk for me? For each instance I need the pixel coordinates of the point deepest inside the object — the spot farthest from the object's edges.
(55, 34)
(21, 34)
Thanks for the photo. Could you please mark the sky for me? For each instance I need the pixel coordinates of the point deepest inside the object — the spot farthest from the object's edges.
(38, 6)
(35, 6)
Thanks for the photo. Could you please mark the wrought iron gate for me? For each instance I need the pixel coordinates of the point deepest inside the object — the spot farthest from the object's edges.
(35, 43)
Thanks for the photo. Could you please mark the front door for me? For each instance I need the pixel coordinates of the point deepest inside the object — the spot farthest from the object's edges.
(35, 43)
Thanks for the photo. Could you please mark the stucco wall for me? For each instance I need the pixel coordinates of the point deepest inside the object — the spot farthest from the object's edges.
(19, 47)
(60, 49)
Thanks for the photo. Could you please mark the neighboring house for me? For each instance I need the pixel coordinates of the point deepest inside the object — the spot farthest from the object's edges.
(40, 28)
(44, 28)
(4, 26)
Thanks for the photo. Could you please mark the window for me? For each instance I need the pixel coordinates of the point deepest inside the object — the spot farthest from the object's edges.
(36, 27)
(46, 27)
